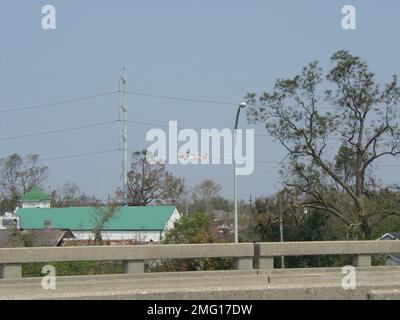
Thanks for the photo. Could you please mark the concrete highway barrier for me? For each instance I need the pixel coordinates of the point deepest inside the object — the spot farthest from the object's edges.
(11, 259)
(246, 256)
(360, 250)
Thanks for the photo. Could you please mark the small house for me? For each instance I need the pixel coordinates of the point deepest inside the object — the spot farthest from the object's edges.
(393, 259)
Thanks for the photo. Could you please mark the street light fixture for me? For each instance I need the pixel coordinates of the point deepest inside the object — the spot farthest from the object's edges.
(236, 232)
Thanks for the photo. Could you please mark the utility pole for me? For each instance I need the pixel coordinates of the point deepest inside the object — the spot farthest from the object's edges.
(124, 108)
(281, 226)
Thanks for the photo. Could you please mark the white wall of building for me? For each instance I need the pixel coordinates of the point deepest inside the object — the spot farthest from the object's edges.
(143, 236)
(36, 204)
(175, 216)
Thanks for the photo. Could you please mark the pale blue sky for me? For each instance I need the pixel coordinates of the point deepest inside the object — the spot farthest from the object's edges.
(217, 50)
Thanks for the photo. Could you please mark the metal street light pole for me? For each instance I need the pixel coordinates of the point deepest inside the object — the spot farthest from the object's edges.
(236, 226)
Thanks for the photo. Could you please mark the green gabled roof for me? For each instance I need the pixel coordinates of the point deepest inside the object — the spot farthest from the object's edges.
(35, 195)
(82, 218)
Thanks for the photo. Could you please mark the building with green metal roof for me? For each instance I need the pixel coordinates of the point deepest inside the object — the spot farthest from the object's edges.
(36, 198)
(141, 224)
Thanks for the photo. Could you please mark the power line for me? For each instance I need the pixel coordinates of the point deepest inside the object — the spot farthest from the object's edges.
(177, 98)
(262, 72)
(209, 101)
(61, 102)
(179, 127)
(214, 158)
(148, 123)
(56, 103)
(165, 70)
(167, 155)
(113, 121)
(151, 95)
(144, 123)
(78, 155)
(58, 130)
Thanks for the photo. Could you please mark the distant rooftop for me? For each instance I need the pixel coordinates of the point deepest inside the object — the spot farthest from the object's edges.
(40, 238)
(390, 236)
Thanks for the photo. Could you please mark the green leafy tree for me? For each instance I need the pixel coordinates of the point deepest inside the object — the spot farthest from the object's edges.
(298, 225)
(362, 115)
(193, 228)
(316, 225)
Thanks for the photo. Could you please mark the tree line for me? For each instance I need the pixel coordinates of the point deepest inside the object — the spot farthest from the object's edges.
(148, 184)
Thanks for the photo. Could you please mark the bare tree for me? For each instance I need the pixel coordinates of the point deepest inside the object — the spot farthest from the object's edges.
(101, 216)
(205, 195)
(19, 175)
(149, 182)
(69, 195)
